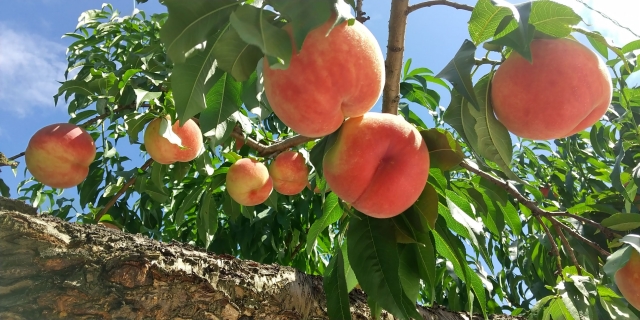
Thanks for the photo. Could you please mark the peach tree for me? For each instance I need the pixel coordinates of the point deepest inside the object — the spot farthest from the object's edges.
(259, 142)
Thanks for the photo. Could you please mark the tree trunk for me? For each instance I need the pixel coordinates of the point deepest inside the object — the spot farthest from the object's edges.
(50, 268)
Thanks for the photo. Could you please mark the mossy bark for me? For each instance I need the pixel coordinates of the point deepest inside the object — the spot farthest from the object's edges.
(53, 269)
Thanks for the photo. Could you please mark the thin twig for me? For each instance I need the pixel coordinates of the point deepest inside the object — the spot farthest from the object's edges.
(487, 61)
(395, 51)
(531, 205)
(431, 3)
(360, 15)
(610, 234)
(122, 191)
(17, 156)
(266, 151)
(565, 244)
(89, 122)
(554, 246)
(578, 236)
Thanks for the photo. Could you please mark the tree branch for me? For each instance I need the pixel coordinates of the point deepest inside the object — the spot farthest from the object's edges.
(122, 190)
(431, 3)
(578, 236)
(610, 234)
(565, 244)
(485, 60)
(535, 210)
(395, 50)
(554, 246)
(360, 15)
(266, 151)
(6, 162)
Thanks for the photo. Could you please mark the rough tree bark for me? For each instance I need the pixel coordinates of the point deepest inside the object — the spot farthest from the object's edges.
(50, 268)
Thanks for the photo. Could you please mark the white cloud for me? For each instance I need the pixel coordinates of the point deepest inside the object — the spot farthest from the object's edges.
(29, 68)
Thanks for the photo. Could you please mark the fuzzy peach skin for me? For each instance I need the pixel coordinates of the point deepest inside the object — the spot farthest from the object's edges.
(565, 90)
(289, 173)
(333, 77)
(379, 163)
(59, 155)
(165, 152)
(628, 280)
(248, 182)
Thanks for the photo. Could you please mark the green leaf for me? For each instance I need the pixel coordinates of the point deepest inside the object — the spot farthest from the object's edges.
(235, 56)
(221, 133)
(458, 71)
(485, 19)
(335, 285)
(426, 261)
(374, 257)
(444, 151)
(231, 208)
(631, 46)
(553, 18)
(189, 201)
(88, 189)
(304, 16)
(144, 95)
(622, 221)
(491, 139)
(207, 222)
(427, 206)
(190, 23)
(158, 171)
(408, 271)
(453, 115)
(222, 101)
(166, 132)
(450, 247)
(352, 281)
(79, 87)
(192, 80)
(254, 28)
(614, 304)
(616, 172)
(316, 155)
(617, 260)
(4, 189)
(331, 212)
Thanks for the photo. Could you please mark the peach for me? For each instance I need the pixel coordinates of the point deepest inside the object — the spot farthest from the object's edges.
(289, 173)
(59, 155)
(248, 182)
(332, 77)
(379, 163)
(565, 90)
(628, 280)
(163, 151)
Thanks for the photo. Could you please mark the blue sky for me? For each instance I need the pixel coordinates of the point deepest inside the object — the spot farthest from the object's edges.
(32, 54)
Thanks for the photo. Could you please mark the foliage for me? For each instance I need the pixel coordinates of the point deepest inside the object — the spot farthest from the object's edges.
(468, 243)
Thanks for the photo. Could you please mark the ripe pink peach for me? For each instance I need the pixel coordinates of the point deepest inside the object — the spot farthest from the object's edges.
(59, 155)
(163, 151)
(379, 163)
(289, 173)
(248, 182)
(565, 90)
(332, 77)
